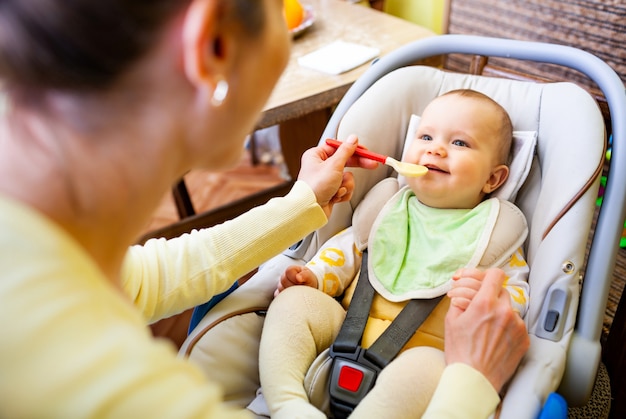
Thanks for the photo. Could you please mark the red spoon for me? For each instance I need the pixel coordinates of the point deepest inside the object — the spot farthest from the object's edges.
(405, 169)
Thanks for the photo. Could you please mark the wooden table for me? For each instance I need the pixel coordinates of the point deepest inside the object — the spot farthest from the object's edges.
(303, 99)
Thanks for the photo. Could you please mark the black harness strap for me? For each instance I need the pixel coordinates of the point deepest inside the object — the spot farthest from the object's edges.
(403, 327)
(354, 369)
(349, 337)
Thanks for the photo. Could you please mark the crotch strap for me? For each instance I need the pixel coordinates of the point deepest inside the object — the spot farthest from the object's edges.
(355, 369)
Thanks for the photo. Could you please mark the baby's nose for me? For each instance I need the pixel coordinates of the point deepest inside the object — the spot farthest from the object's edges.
(436, 148)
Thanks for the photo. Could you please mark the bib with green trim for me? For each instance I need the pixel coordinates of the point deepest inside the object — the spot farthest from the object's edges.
(415, 249)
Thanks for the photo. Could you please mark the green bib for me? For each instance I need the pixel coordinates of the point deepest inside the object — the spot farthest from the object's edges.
(415, 249)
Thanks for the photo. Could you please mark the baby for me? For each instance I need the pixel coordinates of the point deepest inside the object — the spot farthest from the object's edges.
(441, 226)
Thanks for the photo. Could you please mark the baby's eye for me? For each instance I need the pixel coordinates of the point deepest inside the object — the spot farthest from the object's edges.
(426, 137)
(460, 143)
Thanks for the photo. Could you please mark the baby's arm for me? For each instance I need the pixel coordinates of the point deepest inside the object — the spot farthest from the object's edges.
(466, 283)
(331, 270)
(516, 283)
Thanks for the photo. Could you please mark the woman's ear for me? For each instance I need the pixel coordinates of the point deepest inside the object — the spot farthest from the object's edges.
(496, 179)
(204, 50)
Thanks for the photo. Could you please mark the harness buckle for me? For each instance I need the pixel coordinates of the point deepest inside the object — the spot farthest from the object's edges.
(352, 377)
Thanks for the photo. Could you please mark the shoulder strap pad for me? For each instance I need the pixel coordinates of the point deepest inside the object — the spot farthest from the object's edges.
(509, 233)
(369, 207)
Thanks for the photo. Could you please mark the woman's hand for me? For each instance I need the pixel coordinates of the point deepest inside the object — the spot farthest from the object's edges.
(322, 169)
(487, 334)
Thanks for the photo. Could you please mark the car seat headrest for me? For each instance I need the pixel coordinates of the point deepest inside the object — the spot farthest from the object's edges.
(523, 152)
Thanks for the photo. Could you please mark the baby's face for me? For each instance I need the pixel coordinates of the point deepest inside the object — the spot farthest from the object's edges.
(457, 140)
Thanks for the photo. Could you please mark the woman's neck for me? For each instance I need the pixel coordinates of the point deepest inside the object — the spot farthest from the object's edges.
(100, 185)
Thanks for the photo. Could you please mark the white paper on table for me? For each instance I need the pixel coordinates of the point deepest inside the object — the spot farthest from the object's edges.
(338, 57)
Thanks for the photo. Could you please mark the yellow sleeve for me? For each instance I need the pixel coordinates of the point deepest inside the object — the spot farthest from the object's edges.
(73, 346)
(517, 271)
(462, 393)
(336, 263)
(165, 277)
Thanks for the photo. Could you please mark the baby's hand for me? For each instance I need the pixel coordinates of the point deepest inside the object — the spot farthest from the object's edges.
(296, 275)
(465, 285)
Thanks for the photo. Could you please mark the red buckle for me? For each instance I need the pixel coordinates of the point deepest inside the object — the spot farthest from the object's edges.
(350, 378)
(350, 381)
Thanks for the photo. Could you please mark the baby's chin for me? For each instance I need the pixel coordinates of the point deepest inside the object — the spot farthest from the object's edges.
(443, 201)
(428, 200)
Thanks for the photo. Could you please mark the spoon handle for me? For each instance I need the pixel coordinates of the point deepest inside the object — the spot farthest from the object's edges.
(360, 151)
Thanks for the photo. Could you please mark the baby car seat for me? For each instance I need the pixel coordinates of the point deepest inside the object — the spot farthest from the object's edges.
(555, 184)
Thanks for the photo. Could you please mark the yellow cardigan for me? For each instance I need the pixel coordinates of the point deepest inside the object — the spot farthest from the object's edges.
(75, 346)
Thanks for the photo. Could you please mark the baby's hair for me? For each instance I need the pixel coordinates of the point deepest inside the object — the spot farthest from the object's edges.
(505, 130)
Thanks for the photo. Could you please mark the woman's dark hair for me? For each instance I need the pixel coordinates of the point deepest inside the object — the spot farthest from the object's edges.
(84, 45)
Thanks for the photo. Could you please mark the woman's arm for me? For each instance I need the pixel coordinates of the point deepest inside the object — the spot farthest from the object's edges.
(165, 277)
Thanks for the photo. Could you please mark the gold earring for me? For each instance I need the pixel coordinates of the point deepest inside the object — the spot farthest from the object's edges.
(220, 93)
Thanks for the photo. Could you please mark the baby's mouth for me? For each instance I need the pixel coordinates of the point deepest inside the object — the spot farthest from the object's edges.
(433, 168)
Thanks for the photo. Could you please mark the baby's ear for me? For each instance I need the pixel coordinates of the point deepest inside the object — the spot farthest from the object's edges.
(498, 177)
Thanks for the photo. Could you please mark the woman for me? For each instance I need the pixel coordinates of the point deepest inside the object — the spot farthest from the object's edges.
(108, 103)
